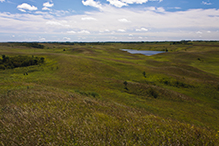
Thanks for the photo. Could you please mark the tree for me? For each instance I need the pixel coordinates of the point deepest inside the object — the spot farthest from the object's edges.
(4, 58)
(126, 83)
(166, 50)
(42, 59)
(144, 74)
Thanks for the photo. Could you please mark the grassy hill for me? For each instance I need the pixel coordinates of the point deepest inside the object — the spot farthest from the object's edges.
(97, 94)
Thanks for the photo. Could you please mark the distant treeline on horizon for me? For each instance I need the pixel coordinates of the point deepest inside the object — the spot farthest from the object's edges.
(40, 45)
(67, 42)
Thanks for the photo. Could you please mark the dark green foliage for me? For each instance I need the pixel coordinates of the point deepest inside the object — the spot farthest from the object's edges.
(32, 45)
(175, 83)
(125, 83)
(88, 93)
(184, 42)
(19, 61)
(144, 74)
(42, 59)
(166, 50)
(4, 58)
(152, 92)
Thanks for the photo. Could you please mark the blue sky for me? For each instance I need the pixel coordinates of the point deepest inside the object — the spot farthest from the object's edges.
(108, 20)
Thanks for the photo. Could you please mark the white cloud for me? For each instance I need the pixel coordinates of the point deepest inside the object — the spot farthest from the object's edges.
(121, 30)
(66, 39)
(163, 26)
(59, 12)
(45, 8)
(56, 23)
(106, 30)
(2, 1)
(113, 38)
(160, 9)
(88, 18)
(206, 3)
(71, 32)
(92, 3)
(121, 3)
(84, 32)
(124, 20)
(142, 29)
(117, 3)
(134, 1)
(47, 4)
(150, 8)
(199, 32)
(53, 23)
(22, 10)
(42, 39)
(23, 7)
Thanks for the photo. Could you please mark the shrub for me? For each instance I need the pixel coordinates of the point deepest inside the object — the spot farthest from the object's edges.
(33, 45)
(125, 83)
(20, 61)
(175, 83)
(152, 92)
(144, 74)
(88, 93)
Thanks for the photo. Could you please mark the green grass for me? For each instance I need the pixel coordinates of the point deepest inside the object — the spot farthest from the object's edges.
(78, 96)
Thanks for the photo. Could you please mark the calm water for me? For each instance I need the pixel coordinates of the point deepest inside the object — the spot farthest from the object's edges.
(144, 52)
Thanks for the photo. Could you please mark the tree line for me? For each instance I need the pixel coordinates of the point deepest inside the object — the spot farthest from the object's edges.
(19, 61)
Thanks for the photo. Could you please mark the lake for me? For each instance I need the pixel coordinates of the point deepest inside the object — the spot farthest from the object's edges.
(144, 52)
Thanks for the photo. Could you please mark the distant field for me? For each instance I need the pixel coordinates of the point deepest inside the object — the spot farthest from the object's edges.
(97, 94)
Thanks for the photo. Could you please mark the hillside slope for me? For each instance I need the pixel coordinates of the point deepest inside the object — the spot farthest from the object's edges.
(96, 94)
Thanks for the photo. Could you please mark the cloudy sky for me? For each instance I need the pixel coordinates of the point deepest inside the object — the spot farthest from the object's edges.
(108, 20)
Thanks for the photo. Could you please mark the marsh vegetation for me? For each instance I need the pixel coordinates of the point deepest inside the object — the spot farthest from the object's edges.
(97, 94)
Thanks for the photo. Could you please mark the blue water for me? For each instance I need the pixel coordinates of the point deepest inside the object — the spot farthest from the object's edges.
(144, 52)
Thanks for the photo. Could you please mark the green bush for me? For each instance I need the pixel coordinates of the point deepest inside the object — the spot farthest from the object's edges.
(2, 66)
(175, 83)
(19, 61)
(88, 93)
(144, 74)
(33, 45)
(152, 92)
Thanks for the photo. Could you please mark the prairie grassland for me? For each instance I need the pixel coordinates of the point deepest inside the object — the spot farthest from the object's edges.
(78, 96)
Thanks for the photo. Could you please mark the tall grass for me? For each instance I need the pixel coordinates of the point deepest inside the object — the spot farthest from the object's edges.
(78, 96)
(56, 117)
